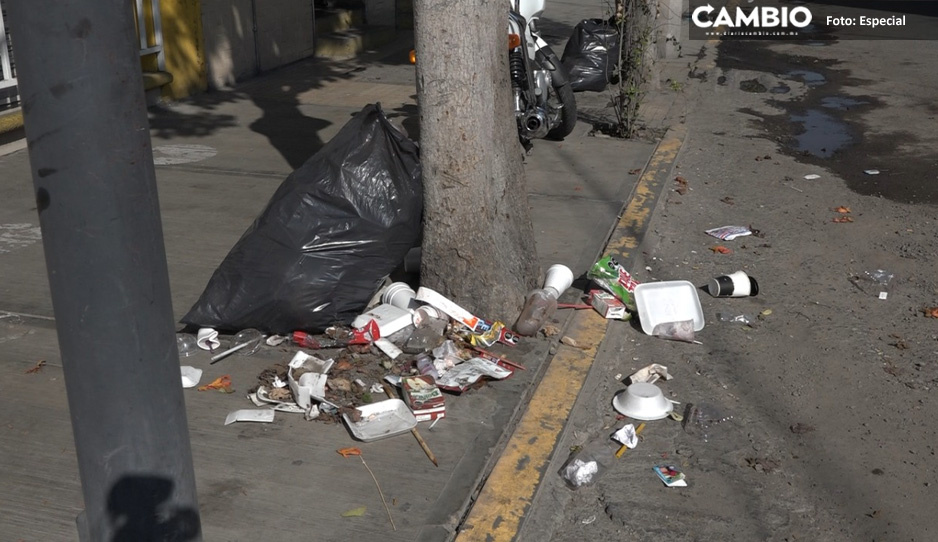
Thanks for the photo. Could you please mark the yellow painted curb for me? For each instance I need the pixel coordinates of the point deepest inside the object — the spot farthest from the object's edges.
(509, 490)
(13, 121)
(628, 232)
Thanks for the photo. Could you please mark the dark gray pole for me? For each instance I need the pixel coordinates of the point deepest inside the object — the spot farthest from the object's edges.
(89, 147)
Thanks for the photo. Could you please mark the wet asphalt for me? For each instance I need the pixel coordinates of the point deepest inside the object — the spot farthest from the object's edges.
(825, 126)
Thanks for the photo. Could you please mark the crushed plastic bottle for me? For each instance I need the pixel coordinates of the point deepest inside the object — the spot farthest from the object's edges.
(538, 307)
(540, 304)
(425, 366)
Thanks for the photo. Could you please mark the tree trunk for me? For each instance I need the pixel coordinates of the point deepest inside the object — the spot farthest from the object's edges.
(478, 245)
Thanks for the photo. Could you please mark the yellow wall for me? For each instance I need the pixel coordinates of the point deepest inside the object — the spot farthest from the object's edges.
(184, 47)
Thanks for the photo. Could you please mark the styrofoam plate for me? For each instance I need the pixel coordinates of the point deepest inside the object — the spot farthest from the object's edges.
(382, 419)
(667, 301)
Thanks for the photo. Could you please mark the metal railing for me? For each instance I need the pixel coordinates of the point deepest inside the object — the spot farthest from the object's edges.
(8, 91)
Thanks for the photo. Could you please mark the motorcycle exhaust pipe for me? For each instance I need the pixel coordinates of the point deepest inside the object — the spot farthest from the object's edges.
(534, 125)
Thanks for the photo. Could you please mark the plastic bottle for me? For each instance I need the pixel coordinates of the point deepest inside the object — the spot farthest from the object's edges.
(425, 366)
(541, 303)
(538, 307)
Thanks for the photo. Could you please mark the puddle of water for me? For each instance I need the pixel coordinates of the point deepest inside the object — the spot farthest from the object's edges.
(810, 78)
(781, 88)
(840, 103)
(823, 134)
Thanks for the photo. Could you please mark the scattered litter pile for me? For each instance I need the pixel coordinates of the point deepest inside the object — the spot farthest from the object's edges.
(311, 274)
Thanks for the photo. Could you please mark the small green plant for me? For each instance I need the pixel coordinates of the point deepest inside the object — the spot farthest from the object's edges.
(676, 86)
(633, 20)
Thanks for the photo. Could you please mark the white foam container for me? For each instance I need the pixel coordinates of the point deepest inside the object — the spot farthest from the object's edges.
(667, 301)
(642, 401)
(390, 319)
(381, 420)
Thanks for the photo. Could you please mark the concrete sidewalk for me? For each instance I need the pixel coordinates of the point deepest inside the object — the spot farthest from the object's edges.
(220, 157)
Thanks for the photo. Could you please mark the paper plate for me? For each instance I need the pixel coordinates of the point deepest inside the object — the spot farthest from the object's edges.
(667, 301)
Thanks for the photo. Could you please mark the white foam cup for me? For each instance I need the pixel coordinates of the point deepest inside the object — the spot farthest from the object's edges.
(737, 284)
(559, 277)
(399, 294)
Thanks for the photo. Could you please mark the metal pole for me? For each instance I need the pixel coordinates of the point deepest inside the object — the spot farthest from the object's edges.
(92, 166)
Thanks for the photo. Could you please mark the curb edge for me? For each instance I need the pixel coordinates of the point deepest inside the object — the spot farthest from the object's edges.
(509, 490)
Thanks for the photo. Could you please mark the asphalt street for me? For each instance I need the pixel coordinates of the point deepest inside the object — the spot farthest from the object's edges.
(821, 388)
(819, 421)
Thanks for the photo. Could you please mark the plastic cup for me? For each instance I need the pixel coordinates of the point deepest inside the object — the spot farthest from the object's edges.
(186, 345)
(559, 277)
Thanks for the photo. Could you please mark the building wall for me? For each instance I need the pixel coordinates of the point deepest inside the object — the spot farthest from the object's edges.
(284, 31)
(183, 47)
(228, 26)
(239, 45)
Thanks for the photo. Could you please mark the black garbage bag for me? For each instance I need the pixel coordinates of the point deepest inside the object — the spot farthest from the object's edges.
(591, 55)
(333, 230)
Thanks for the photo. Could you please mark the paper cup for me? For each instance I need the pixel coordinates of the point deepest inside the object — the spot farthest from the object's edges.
(559, 277)
(207, 339)
(738, 284)
(399, 294)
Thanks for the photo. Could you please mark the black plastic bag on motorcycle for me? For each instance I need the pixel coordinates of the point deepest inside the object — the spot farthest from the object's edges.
(591, 55)
(333, 230)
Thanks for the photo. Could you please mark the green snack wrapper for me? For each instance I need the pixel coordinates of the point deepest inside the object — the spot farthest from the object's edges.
(613, 278)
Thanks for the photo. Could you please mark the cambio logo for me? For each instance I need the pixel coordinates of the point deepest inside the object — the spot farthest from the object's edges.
(760, 17)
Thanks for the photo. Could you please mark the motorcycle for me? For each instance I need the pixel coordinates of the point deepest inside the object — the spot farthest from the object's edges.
(544, 103)
(543, 98)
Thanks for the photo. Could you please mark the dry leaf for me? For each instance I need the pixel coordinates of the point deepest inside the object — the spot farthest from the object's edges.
(635, 171)
(931, 312)
(222, 384)
(728, 200)
(842, 210)
(569, 341)
(683, 182)
(346, 452)
(37, 368)
(721, 249)
(842, 220)
(550, 330)
(354, 512)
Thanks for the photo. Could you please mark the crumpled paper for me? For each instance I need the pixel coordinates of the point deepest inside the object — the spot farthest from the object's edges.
(579, 473)
(626, 436)
(650, 374)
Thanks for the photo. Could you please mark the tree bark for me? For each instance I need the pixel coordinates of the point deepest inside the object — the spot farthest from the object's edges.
(478, 245)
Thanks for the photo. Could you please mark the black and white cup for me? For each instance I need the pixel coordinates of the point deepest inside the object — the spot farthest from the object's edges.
(738, 284)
